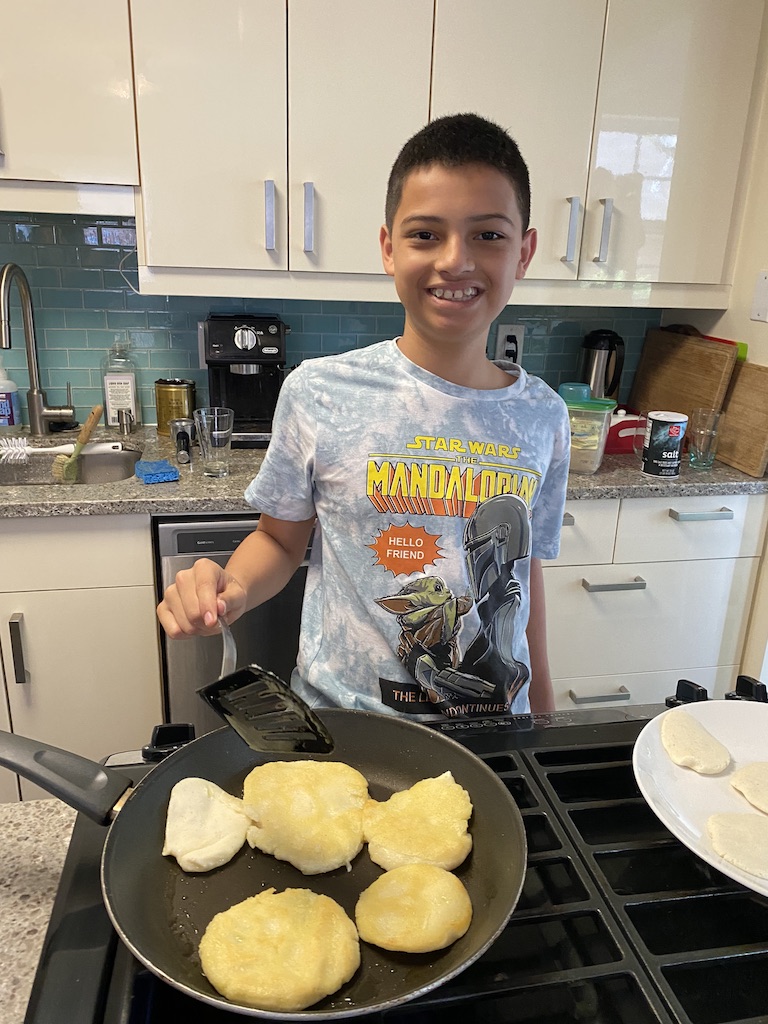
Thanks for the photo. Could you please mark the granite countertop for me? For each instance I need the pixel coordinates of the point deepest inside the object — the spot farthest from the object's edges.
(192, 492)
(34, 837)
(619, 476)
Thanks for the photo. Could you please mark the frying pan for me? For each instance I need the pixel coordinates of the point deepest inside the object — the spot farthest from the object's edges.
(160, 912)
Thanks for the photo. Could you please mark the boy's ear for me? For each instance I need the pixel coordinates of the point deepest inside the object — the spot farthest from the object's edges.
(527, 250)
(386, 250)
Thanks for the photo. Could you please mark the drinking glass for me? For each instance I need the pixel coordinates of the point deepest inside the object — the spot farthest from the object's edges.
(704, 429)
(214, 432)
(638, 441)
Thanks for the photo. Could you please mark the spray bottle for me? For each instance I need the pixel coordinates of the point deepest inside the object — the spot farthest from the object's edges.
(10, 409)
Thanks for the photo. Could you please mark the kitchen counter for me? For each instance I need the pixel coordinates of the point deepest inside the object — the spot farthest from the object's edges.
(191, 493)
(34, 837)
(619, 476)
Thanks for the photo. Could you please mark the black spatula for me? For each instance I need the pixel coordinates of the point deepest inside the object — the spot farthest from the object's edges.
(263, 709)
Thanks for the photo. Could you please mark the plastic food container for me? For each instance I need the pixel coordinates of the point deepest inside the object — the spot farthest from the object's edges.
(590, 420)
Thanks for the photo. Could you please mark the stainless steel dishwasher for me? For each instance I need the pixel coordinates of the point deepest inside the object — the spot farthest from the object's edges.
(267, 635)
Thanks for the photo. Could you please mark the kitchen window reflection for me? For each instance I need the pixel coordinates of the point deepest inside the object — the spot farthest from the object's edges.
(642, 164)
(652, 156)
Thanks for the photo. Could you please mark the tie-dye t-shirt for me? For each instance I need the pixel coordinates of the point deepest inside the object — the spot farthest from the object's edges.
(430, 500)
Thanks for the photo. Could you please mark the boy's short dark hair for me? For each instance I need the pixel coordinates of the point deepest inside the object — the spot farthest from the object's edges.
(457, 141)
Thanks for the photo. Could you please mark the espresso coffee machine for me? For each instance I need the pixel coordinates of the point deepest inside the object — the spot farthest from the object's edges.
(245, 356)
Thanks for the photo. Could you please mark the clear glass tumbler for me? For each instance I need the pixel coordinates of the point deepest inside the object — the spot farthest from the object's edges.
(214, 433)
(704, 428)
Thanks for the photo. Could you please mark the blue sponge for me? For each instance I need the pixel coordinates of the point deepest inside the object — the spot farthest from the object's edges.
(156, 472)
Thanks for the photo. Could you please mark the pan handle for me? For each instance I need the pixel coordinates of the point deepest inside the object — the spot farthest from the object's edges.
(85, 785)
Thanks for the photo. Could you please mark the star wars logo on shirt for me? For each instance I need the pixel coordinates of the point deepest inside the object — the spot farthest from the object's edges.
(449, 484)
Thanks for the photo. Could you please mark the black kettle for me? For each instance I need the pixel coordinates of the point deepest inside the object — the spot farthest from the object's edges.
(602, 360)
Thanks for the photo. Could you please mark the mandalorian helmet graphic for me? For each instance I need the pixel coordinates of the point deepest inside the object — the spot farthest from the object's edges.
(497, 535)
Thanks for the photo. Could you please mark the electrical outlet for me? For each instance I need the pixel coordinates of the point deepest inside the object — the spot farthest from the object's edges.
(509, 342)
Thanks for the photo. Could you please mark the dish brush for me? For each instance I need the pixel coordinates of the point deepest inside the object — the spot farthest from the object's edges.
(17, 450)
(65, 467)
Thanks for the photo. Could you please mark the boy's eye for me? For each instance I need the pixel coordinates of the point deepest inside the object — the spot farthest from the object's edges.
(490, 236)
(423, 235)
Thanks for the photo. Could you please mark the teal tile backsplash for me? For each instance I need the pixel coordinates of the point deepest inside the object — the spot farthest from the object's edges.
(82, 275)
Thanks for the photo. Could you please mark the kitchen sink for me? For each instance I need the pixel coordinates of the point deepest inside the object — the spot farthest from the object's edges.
(93, 468)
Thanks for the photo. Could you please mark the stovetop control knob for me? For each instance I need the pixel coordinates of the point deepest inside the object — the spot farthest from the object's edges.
(246, 338)
(686, 693)
(748, 688)
(167, 738)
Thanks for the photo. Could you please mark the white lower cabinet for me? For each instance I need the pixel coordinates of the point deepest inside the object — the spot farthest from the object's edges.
(627, 630)
(638, 687)
(9, 788)
(78, 636)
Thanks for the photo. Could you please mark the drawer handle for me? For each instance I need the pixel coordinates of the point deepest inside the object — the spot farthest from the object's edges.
(309, 216)
(269, 216)
(700, 517)
(593, 698)
(605, 232)
(573, 228)
(638, 583)
(17, 649)
(568, 519)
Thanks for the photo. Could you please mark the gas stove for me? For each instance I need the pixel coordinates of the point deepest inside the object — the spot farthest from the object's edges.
(617, 923)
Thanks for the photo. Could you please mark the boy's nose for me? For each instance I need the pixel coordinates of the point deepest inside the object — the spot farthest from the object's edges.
(454, 257)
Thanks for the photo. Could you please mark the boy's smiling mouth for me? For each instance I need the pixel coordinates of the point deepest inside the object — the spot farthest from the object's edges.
(454, 294)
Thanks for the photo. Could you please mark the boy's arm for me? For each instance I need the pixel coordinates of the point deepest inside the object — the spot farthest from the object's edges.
(260, 567)
(542, 697)
(267, 559)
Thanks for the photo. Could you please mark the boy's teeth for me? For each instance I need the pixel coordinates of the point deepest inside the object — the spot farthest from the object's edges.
(456, 294)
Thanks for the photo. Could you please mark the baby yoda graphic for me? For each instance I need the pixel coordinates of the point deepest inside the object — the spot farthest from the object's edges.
(429, 615)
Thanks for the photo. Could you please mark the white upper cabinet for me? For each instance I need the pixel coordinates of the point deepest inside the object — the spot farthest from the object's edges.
(260, 156)
(672, 106)
(66, 92)
(210, 105)
(630, 115)
(358, 87)
(534, 69)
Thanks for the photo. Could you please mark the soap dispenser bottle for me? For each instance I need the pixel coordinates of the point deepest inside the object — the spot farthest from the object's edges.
(119, 372)
(10, 409)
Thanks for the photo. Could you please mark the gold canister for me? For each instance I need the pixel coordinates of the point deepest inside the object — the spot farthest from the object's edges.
(175, 400)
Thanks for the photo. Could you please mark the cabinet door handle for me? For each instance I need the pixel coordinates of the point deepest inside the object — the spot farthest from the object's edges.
(269, 216)
(309, 216)
(593, 698)
(568, 519)
(17, 649)
(605, 233)
(573, 230)
(638, 583)
(700, 517)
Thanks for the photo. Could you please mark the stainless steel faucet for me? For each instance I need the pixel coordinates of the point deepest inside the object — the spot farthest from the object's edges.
(40, 414)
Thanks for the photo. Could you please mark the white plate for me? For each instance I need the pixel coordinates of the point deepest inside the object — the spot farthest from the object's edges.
(682, 798)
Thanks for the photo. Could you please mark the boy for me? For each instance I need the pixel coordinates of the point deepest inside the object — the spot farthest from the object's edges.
(435, 477)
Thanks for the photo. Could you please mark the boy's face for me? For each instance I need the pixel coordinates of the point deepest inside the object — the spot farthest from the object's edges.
(455, 250)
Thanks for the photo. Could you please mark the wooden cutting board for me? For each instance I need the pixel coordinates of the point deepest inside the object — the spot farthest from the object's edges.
(744, 437)
(679, 372)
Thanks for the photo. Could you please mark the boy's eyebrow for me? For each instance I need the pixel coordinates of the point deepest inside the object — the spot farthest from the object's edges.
(433, 219)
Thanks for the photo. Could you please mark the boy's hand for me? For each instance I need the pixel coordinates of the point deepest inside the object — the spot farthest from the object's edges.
(192, 605)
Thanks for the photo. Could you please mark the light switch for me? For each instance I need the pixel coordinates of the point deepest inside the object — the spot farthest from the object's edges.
(760, 300)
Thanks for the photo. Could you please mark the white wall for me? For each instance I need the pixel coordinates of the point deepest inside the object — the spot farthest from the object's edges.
(750, 245)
